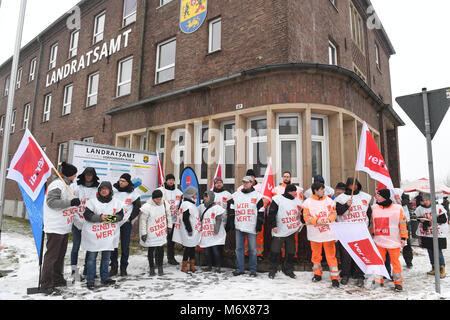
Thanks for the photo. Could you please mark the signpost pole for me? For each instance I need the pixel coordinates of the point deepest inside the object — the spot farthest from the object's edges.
(432, 189)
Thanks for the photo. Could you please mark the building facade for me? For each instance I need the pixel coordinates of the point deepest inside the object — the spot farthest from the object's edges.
(290, 80)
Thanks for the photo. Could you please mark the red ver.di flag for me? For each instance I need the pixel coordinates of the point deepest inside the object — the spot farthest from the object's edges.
(359, 244)
(370, 159)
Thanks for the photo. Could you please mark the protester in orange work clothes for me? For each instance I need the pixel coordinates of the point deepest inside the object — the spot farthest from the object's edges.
(318, 211)
(390, 234)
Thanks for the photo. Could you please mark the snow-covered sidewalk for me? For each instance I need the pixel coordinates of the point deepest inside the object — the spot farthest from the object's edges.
(21, 257)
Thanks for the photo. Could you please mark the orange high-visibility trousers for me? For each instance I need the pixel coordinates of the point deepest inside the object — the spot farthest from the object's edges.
(330, 255)
(259, 244)
(394, 254)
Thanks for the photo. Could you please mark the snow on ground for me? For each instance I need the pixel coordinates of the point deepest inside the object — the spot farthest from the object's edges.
(21, 257)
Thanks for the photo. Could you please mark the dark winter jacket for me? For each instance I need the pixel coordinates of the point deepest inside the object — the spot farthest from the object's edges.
(273, 211)
(136, 203)
(342, 208)
(81, 180)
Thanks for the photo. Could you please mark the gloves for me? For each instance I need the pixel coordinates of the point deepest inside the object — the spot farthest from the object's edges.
(426, 225)
(110, 219)
(169, 230)
(190, 234)
(144, 238)
(75, 202)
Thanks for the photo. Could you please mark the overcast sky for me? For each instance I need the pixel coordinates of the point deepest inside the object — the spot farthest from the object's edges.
(418, 31)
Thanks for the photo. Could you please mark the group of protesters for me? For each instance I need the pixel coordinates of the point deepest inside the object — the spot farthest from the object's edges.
(100, 216)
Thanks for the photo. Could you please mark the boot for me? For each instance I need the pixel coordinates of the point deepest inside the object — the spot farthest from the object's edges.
(335, 283)
(172, 261)
(443, 272)
(398, 288)
(160, 271)
(152, 271)
(114, 269)
(123, 272)
(344, 280)
(192, 265)
(432, 272)
(184, 266)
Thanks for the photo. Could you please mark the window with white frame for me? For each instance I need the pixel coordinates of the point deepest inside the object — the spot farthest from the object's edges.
(18, 78)
(179, 149)
(6, 86)
(124, 77)
(258, 146)
(143, 142)
(319, 147)
(129, 11)
(13, 121)
(67, 102)
(53, 56)
(88, 140)
(73, 47)
(26, 116)
(228, 151)
(160, 146)
(357, 27)
(163, 2)
(165, 61)
(32, 70)
(127, 142)
(62, 154)
(332, 53)
(92, 93)
(215, 35)
(201, 153)
(47, 107)
(377, 56)
(2, 124)
(289, 146)
(99, 27)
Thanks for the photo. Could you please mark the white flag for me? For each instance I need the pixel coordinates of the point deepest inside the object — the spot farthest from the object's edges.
(357, 241)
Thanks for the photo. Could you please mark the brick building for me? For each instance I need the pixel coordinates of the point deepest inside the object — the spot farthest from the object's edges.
(292, 80)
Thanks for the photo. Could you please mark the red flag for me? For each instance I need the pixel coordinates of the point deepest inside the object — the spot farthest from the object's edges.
(161, 179)
(267, 184)
(30, 167)
(218, 174)
(370, 159)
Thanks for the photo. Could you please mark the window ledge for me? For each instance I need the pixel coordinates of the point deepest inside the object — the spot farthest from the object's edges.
(214, 52)
(119, 97)
(164, 82)
(334, 6)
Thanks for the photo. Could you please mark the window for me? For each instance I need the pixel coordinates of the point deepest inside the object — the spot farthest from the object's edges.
(47, 106)
(358, 72)
(377, 56)
(357, 25)
(92, 94)
(7, 86)
(163, 2)
(143, 142)
(215, 35)
(99, 27)
(13, 121)
(124, 77)
(88, 140)
(18, 78)
(2, 124)
(289, 147)
(53, 55)
(201, 153)
(319, 146)
(228, 151)
(160, 147)
(67, 103)
(73, 47)
(62, 154)
(32, 70)
(179, 136)
(258, 146)
(129, 11)
(332, 53)
(26, 116)
(165, 61)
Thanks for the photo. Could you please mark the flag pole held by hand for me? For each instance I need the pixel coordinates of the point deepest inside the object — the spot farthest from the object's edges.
(59, 175)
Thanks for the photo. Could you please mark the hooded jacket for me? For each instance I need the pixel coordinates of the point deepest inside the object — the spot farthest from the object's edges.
(342, 208)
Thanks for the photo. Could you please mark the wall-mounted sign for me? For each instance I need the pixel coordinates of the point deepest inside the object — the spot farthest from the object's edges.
(192, 14)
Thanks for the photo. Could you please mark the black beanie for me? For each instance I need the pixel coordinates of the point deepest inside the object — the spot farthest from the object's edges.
(340, 185)
(250, 172)
(170, 176)
(68, 170)
(157, 194)
(127, 177)
(385, 193)
(290, 188)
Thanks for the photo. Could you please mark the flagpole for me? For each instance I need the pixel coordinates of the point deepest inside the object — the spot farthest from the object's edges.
(11, 92)
(59, 176)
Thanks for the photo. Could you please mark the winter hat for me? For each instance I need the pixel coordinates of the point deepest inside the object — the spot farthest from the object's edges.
(349, 183)
(170, 176)
(210, 194)
(340, 186)
(290, 188)
(102, 185)
(127, 177)
(68, 170)
(426, 196)
(319, 178)
(250, 172)
(157, 194)
(247, 179)
(385, 193)
(217, 179)
(189, 192)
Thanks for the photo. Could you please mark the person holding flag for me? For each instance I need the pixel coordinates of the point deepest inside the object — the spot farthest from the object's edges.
(318, 212)
(59, 214)
(173, 196)
(284, 220)
(390, 234)
(352, 206)
(246, 216)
